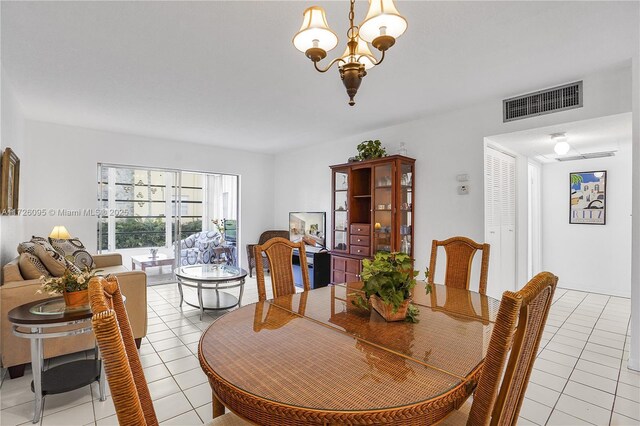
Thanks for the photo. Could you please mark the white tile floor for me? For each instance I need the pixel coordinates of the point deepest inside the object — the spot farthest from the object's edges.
(580, 376)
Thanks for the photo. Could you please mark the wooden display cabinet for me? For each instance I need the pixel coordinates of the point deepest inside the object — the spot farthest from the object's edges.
(372, 211)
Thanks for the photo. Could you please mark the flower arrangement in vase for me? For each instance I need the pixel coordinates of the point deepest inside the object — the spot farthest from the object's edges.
(73, 286)
(388, 280)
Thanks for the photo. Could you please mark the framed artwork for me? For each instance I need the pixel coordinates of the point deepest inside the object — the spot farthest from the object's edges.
(9, 181)
(588, 201)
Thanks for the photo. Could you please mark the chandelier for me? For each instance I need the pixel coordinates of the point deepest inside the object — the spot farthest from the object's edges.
(382, 25)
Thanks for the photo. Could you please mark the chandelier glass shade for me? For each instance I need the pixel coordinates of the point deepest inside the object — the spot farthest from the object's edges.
(382, 19)
(315, 31)
(383, 24)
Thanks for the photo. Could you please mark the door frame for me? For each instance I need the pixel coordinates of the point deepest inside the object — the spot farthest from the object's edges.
(534, 218)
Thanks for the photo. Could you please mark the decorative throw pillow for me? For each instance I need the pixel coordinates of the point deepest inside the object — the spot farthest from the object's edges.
(74, 251)
(54, 262)
(27, 247)
(31, 268)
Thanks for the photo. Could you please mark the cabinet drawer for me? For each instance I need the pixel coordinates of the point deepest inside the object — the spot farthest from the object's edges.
(360, 240)
(360, 229)
(359, 250)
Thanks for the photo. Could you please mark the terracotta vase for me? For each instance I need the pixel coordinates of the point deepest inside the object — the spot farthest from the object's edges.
(76, 299)
(386, 310)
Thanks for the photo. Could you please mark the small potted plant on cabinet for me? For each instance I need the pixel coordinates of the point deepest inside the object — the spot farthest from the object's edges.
(389, 279)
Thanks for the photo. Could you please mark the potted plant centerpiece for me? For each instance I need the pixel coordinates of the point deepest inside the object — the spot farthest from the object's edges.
(389, 279)
(73, 286)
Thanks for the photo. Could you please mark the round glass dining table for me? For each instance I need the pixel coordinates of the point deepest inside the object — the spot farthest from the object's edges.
(316, 358)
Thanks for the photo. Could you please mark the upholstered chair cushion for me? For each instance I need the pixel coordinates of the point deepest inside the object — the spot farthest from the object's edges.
(74, 251)
(31, 268)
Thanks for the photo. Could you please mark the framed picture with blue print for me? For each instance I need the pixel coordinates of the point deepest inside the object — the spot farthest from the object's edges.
(588, 199)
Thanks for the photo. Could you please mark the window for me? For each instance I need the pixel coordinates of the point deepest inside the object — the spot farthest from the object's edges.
(142, 207)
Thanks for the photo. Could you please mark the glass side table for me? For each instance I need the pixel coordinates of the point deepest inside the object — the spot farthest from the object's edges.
(37, 321)
(212, 277)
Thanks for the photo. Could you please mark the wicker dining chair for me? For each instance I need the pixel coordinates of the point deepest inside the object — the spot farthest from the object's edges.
(510, 356)
(264, 237)
(460, 253)
(279, 253)
(123, 368)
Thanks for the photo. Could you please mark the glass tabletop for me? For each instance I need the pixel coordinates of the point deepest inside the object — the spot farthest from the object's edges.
(55, 307)
(369, 364)
(210, 272)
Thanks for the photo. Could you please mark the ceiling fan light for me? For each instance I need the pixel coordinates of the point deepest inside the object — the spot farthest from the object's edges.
(382, 19)
(363, 55)
(315, 32)
(562, 148)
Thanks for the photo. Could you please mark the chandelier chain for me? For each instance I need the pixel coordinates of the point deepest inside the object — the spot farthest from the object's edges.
(351, 32)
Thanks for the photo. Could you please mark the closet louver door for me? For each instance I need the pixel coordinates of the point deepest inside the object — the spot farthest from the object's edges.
(500, 219)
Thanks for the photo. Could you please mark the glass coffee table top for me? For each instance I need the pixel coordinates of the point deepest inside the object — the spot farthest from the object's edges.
(210, 272)
(55, 306)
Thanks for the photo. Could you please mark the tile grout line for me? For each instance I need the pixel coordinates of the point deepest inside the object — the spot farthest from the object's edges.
(615, 395)
(574, 367)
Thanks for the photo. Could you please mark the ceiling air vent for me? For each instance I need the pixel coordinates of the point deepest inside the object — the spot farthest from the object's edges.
(546, 101)
(588, 156)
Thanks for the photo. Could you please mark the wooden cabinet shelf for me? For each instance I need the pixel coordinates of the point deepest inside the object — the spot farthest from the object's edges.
(361, 228)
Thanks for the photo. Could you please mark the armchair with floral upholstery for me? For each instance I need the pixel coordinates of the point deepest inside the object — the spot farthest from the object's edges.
(206, 247)
(264, 237)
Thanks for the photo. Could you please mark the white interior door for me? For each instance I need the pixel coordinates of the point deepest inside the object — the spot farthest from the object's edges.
(500, 219)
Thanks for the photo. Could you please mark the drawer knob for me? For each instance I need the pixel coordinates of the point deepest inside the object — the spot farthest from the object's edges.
(359, 251)
(359, 240)
(358, 229)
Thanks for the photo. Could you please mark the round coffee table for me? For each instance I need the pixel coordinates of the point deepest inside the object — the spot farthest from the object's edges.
(212, 277)
(37, 321)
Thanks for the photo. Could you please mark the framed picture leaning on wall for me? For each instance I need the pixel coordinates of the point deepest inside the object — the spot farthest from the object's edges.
(9, 182)
(588, 199)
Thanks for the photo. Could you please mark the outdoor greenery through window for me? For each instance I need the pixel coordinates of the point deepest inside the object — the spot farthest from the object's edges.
(142, 206)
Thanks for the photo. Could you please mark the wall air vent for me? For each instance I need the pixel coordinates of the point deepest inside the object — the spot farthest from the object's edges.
(587, 156)
(561, 98)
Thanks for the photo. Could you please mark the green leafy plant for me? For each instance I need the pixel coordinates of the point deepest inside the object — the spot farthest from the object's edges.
(68, 282)
(391, 277)
(427, 286)
(371, 149)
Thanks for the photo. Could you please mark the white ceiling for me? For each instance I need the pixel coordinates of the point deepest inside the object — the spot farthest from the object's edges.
(226, 73)
(587, 136)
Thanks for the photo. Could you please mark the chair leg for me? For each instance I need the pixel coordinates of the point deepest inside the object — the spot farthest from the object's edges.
(16, 371)
(138, 342)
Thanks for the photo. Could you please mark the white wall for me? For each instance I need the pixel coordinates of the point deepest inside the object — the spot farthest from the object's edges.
(444, 145)
(634, 355)
(12, 136)
(594, 258)
(60, 172)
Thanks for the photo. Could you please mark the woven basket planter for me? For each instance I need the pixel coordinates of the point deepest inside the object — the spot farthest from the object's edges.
(75, 299)
(386, 309)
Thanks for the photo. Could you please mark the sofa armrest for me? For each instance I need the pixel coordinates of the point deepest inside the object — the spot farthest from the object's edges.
(133, 285)
(109, 259)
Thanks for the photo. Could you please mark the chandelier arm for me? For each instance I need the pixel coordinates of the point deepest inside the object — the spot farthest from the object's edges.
(315, 64)
(378, 62)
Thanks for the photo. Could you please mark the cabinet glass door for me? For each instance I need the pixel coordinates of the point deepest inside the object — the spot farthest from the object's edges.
(382, 207)
(340, 212)
(405, 209)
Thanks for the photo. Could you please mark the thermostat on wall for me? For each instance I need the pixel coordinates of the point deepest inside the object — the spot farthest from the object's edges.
(463, 189)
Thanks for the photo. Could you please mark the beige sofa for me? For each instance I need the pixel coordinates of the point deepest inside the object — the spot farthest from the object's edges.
(15, 291)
